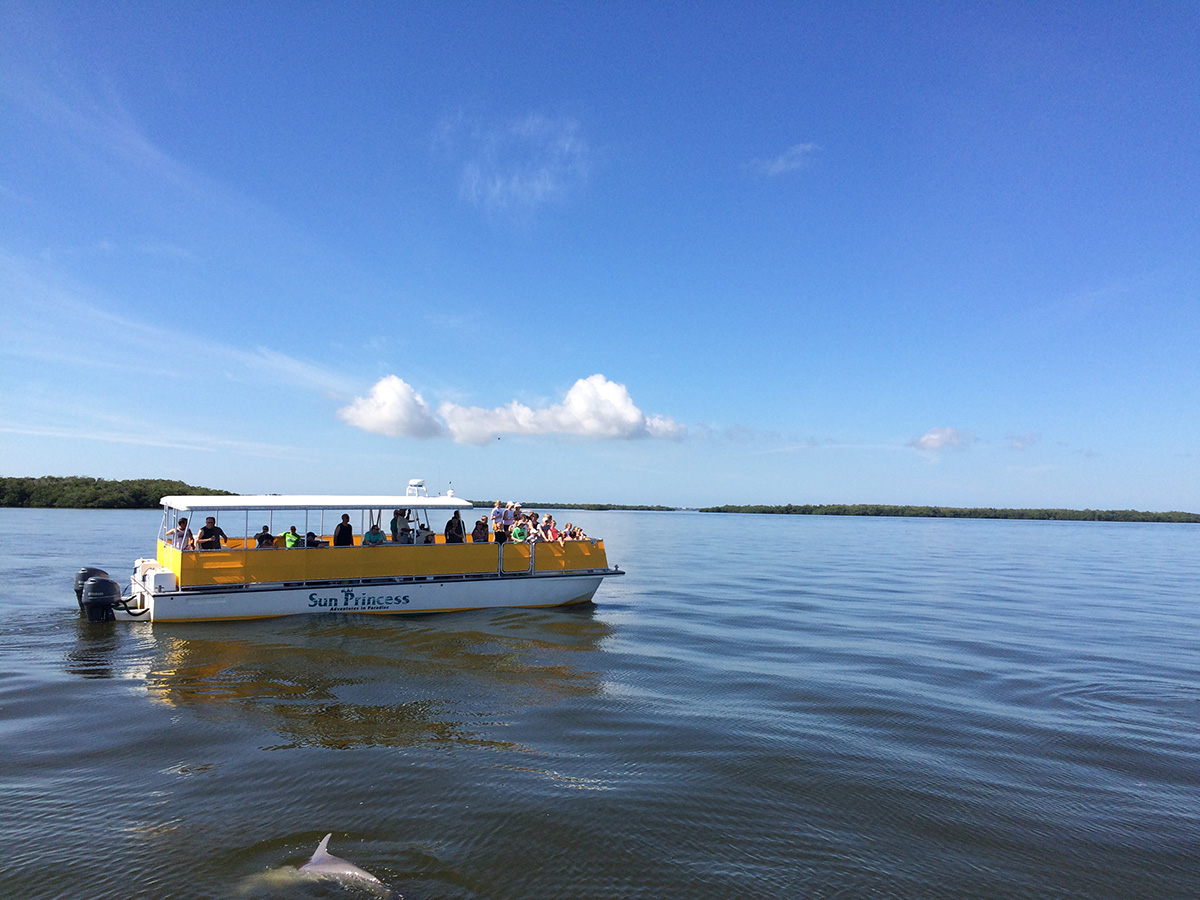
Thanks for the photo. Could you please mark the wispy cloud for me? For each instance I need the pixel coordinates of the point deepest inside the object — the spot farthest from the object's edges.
(91, 119)
(29, 290)
(136, 435)
(593, 408)
(793, 158)
(942, 438)
(1022, 441)
(518, 166)
(83, 124)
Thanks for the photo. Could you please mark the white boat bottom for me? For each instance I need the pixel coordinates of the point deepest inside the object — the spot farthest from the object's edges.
(384, 597)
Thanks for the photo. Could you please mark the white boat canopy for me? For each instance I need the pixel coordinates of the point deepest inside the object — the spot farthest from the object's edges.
(187, 503)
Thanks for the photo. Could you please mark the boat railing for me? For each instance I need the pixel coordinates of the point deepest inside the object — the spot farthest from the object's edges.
(249, 565)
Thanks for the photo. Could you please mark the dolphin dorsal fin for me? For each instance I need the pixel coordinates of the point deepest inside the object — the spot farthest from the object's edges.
(322, 848)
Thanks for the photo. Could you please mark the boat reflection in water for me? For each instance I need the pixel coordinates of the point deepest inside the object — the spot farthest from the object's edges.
(107, 652)
(344, 683)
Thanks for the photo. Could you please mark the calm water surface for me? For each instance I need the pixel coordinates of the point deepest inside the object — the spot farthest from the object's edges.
(767, 707)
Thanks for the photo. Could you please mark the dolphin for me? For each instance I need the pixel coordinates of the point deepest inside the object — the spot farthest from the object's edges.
(325, 865)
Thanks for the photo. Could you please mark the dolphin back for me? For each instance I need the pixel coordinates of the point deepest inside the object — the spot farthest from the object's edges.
(325, 865)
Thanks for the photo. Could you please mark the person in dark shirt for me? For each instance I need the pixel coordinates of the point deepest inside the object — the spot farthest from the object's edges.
(479, 534)
(343, 534)
(211, 535)
(264, 538)
(455, 530)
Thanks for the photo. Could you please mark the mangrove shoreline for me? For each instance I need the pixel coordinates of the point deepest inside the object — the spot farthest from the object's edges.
(79, 492)
(951, 512)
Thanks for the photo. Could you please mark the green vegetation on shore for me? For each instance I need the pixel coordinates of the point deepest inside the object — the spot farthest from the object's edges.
(949, 512)
(75, 492)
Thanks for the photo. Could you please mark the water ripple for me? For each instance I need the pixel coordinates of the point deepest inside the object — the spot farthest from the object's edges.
(764, 706)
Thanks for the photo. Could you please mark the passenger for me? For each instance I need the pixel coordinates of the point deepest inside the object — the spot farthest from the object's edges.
(343, 534)
(455, 531)
(292, 538)
(211, 535)
(548, 532)
(479, 534)
(374, 537)
(264, 539)
(398, 524)
(497, 516)
(311, 540)
(180, 537)
(533, 528)
(509, 517)
(518, 532)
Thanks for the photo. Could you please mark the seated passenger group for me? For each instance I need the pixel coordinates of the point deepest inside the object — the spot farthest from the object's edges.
(507, 523)
(510, 523)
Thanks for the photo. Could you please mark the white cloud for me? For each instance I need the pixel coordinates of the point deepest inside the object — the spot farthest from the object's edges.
(28, 289)
(520, 165)
(594, 407)
(393, 408)
(793, 158)
(1022, 441)
(661, 427)
(941, 438)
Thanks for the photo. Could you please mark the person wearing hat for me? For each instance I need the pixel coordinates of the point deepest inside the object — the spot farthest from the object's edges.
(394, 526)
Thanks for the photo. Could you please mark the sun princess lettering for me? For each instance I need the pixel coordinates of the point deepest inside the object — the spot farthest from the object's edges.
(350, 600)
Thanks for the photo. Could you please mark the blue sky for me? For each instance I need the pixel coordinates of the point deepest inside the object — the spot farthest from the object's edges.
(667, 253)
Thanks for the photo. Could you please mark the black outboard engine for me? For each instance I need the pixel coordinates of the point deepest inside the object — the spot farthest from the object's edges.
(100, 595)
(81, 578)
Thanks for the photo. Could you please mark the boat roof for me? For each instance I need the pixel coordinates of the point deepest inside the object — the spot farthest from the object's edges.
(189, 502)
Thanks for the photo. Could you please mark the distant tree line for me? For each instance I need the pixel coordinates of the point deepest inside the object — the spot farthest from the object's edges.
(75, 492)
(950, 512)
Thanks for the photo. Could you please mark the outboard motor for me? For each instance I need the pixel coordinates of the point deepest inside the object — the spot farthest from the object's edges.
(100, 595)
(81, 578)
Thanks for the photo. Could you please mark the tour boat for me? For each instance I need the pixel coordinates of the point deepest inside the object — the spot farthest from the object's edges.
(301, 571)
